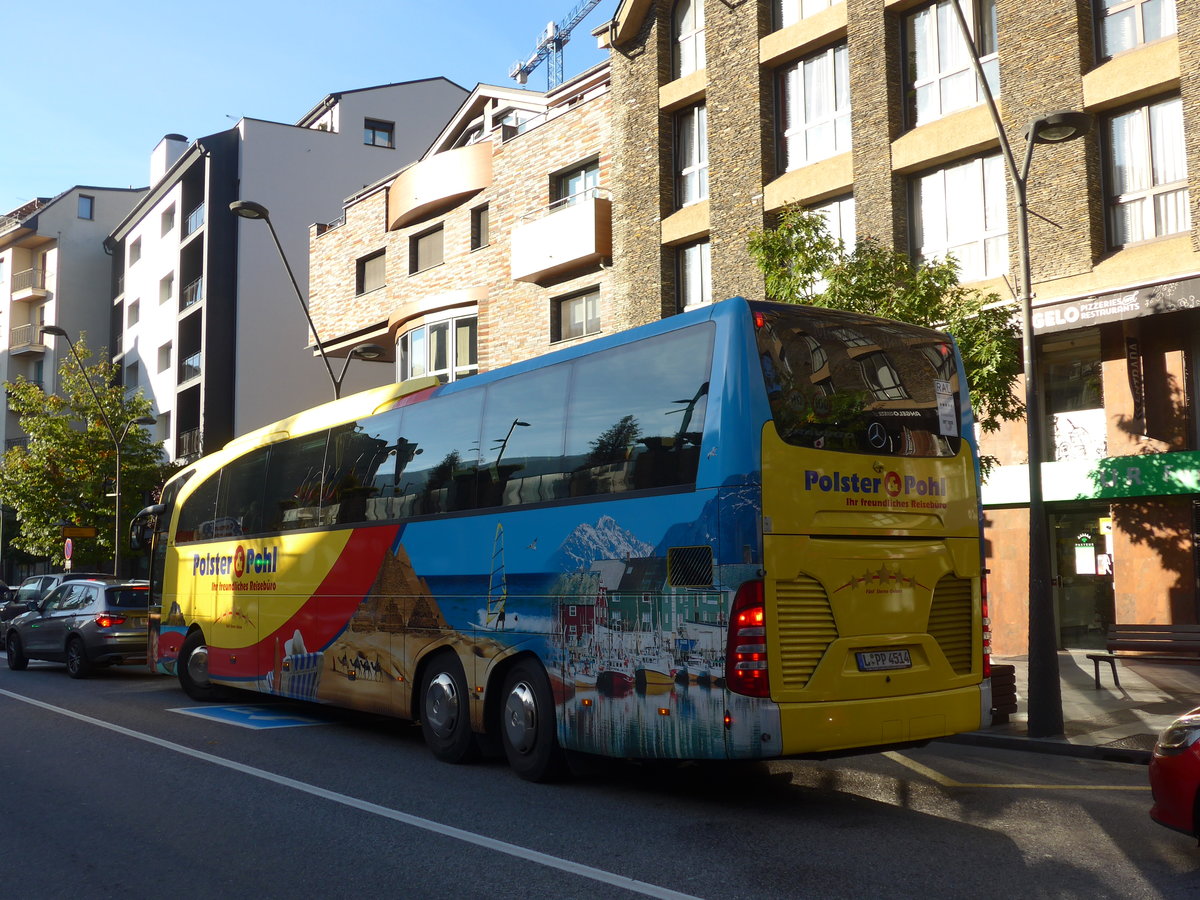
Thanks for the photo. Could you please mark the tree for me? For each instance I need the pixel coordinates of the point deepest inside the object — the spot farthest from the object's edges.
(803, 263)
(66, 472)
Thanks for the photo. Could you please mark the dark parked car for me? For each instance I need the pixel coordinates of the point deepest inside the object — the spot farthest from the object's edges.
(34, 588)
(85, 623)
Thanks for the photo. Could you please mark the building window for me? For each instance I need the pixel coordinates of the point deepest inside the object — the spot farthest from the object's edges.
(939, 76)
(1130, 23)
(131, 376)
(168, 220)
(425, 250)
(133, 313)
(576, 184)
(164, 357)
(691, 155)
(369, 273)
(839, 218)
(814, 105)
(166, 288)
(379, 134)
(1147, 173)
(39, 373)
(135, 251)
(961, 210)
(789, 12)
(445, 349)
(695, 274)
(688, 31)
(480, 236)
(1072, 376)
(576, 316)
(87, 207)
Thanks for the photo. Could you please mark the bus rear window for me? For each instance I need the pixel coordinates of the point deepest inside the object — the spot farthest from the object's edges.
(849, 382)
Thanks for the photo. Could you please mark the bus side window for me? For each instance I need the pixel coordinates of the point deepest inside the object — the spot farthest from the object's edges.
(295, 483)
(364, 459)
(198, 512)
(442, 473)
(239, 499)
(636, 415)
(522, 441)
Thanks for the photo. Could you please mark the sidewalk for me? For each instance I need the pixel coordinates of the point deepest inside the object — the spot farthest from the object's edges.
(1111, 723)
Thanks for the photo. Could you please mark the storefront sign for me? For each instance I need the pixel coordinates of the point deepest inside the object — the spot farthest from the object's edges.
(1133, 366)
(1151, 300)
(1154, 475)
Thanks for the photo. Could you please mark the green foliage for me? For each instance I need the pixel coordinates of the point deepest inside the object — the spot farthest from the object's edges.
(803, 263)
(68, 468)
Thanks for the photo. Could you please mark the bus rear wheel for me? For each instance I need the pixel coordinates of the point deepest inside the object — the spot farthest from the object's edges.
(445, 710)
(527, 726)
(192, 667)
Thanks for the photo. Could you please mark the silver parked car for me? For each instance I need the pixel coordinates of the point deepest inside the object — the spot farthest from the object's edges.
(85, 623)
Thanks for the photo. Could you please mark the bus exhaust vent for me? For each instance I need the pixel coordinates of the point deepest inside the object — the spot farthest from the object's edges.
(806, 628)
(690, 567)
(950, 621)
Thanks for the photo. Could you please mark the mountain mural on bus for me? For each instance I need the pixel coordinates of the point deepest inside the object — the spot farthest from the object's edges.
(634, 662)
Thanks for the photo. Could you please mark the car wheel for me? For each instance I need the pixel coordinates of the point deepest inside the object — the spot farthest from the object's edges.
(192, 668)
(17, 660)
(445, 710)
(527, 726)
(77, 661)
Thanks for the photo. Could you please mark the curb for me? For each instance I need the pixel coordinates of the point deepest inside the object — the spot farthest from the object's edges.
(1055, 746)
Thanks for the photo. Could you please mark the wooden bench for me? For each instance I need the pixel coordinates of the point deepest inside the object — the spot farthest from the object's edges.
(1152, 643)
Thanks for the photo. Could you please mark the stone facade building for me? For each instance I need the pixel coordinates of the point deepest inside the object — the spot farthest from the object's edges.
(493, 247)
(870, 111)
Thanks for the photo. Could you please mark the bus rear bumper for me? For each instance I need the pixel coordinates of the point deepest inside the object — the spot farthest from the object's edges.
(816, 728)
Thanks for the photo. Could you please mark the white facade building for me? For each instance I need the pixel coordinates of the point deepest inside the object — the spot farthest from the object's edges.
(207, 318)
(55, 270)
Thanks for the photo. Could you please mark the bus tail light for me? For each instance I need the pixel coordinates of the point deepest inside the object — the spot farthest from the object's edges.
(746, 651)
(987, 629)
(104, 620)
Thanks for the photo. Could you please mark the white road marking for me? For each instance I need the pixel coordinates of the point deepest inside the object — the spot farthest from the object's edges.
(479, 840)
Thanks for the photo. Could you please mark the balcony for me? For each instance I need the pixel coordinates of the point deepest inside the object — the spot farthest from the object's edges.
(194, 220)
(25, 339)
(14, 443)
(192, 294)
(187, 445)
(189, 368)
(572, 234)
(29, 284)
(438, 183)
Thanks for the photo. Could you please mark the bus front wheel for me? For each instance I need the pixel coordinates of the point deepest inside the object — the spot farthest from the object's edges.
(192, 667)
(445, 710)
(527, 724)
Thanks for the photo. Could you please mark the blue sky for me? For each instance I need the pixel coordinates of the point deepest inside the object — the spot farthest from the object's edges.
(93, 88)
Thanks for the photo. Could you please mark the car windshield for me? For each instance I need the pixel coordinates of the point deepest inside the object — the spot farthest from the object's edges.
(129, 598)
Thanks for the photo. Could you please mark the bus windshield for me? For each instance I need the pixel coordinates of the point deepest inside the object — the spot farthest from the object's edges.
(850, 382)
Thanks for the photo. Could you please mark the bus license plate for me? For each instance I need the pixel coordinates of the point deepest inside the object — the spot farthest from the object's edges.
(875, 660)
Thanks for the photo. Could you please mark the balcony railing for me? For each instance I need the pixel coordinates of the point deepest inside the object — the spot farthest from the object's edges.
(193, 293)
(188, 443)
(194, 220)
(189, 368)
(24, 336)
(13, 443)
(29, 279)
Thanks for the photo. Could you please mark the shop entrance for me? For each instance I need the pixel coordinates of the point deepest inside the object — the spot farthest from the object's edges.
(1082, 575)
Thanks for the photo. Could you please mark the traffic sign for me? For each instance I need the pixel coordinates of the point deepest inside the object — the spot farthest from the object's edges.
(79, 531)
(68, 548)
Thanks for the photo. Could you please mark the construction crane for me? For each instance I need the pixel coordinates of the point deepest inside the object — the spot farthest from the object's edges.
(550, 45)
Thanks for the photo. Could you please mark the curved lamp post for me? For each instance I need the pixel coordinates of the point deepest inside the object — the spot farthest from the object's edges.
(1045, 691)
(248, 209)
(117, 441)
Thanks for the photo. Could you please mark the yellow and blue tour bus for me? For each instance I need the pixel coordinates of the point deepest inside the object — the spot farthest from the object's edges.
(747, 531)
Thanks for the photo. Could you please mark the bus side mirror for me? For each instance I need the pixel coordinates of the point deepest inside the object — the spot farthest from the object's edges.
(141, 529)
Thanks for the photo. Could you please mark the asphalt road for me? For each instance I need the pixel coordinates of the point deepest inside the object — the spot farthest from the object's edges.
(120, 786)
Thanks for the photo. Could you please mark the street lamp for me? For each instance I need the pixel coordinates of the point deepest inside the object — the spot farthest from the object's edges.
(362, 351)
(1045, 691)
(248, 209)
(117, 441)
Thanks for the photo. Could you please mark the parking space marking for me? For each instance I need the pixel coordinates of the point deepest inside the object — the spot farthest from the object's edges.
(946, 781)
(256, 717)
(468, 837)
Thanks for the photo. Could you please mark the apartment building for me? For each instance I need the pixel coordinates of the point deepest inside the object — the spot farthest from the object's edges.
(55, 270)
(203, 310)
(870, 111)
(494, 246)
